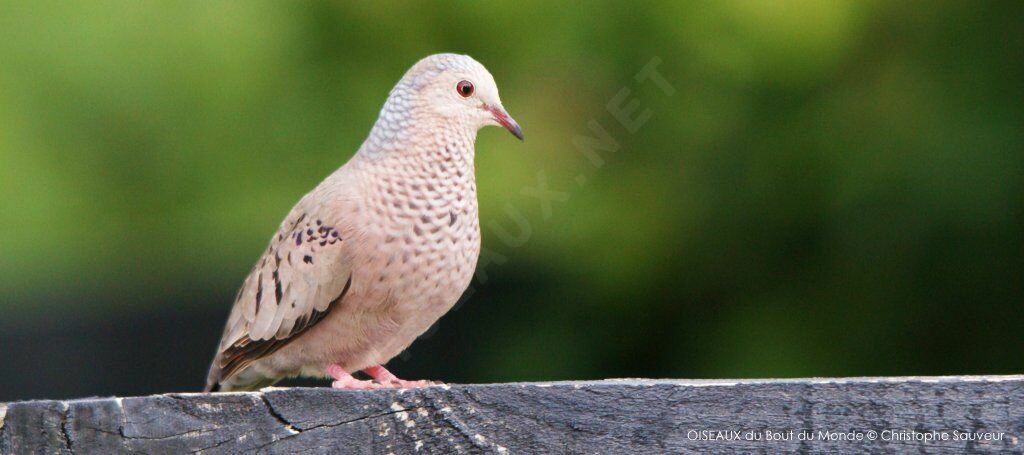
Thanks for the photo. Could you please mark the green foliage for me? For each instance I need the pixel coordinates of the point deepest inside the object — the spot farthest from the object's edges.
(834, 188)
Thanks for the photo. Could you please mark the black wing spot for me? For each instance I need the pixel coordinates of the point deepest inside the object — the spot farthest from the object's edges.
(277, 288)
(453, 218)
(259, 293)
(307, 259)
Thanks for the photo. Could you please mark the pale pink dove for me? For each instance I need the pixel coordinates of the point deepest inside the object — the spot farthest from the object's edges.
(375, 254)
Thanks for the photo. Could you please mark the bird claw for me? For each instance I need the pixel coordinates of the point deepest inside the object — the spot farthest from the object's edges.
(387, 380)
(345, 381)
(382, 379)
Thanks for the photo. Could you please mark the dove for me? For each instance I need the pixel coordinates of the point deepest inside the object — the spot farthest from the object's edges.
(376, 253)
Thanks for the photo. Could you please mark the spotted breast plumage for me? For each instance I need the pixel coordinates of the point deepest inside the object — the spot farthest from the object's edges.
(377, 252)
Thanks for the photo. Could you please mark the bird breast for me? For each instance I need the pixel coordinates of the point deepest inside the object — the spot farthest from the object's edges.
(426, 232)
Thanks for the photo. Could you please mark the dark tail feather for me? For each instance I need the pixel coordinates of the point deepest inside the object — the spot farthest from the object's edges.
(213, 377)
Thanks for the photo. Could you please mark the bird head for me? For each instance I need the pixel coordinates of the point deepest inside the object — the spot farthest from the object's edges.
(455, 89)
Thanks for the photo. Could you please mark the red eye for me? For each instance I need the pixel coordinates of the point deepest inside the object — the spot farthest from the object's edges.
(465, 88)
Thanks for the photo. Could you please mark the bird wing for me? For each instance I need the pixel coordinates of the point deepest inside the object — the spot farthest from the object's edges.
(305, 271)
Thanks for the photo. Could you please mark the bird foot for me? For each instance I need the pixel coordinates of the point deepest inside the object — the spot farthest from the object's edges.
(387, 380)
(343, 380)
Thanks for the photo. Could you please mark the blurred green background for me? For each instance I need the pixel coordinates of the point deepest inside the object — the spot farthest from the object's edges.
(834, 189)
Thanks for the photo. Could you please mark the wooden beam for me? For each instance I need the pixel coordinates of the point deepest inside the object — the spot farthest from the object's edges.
(978, 414)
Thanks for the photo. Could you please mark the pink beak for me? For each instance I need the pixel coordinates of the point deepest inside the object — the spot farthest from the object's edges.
(506, 121)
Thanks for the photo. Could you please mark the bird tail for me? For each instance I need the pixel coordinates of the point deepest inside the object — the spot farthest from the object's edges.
(213, 377)
(244, 380)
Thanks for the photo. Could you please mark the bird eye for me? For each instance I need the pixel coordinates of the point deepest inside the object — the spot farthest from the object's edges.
(465, 88)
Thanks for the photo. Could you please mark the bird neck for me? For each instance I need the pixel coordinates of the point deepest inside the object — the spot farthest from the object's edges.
(440, 151)
(406, 137)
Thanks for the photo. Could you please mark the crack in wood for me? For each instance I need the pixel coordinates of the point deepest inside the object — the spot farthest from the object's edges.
(277, 416)
(295, 431)
(184, 434)
(64, 426)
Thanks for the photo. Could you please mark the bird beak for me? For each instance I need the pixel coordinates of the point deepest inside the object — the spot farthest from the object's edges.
(506, 121)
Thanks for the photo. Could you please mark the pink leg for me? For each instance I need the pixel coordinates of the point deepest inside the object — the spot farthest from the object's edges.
(343, 380)
(386, 379)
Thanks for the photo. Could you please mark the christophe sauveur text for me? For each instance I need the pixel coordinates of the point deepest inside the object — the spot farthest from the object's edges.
(847, 435)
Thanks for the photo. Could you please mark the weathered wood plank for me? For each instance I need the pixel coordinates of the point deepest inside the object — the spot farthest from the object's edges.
(614, 416)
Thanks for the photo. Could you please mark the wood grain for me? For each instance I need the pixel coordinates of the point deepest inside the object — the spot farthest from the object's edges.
(611, 416)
